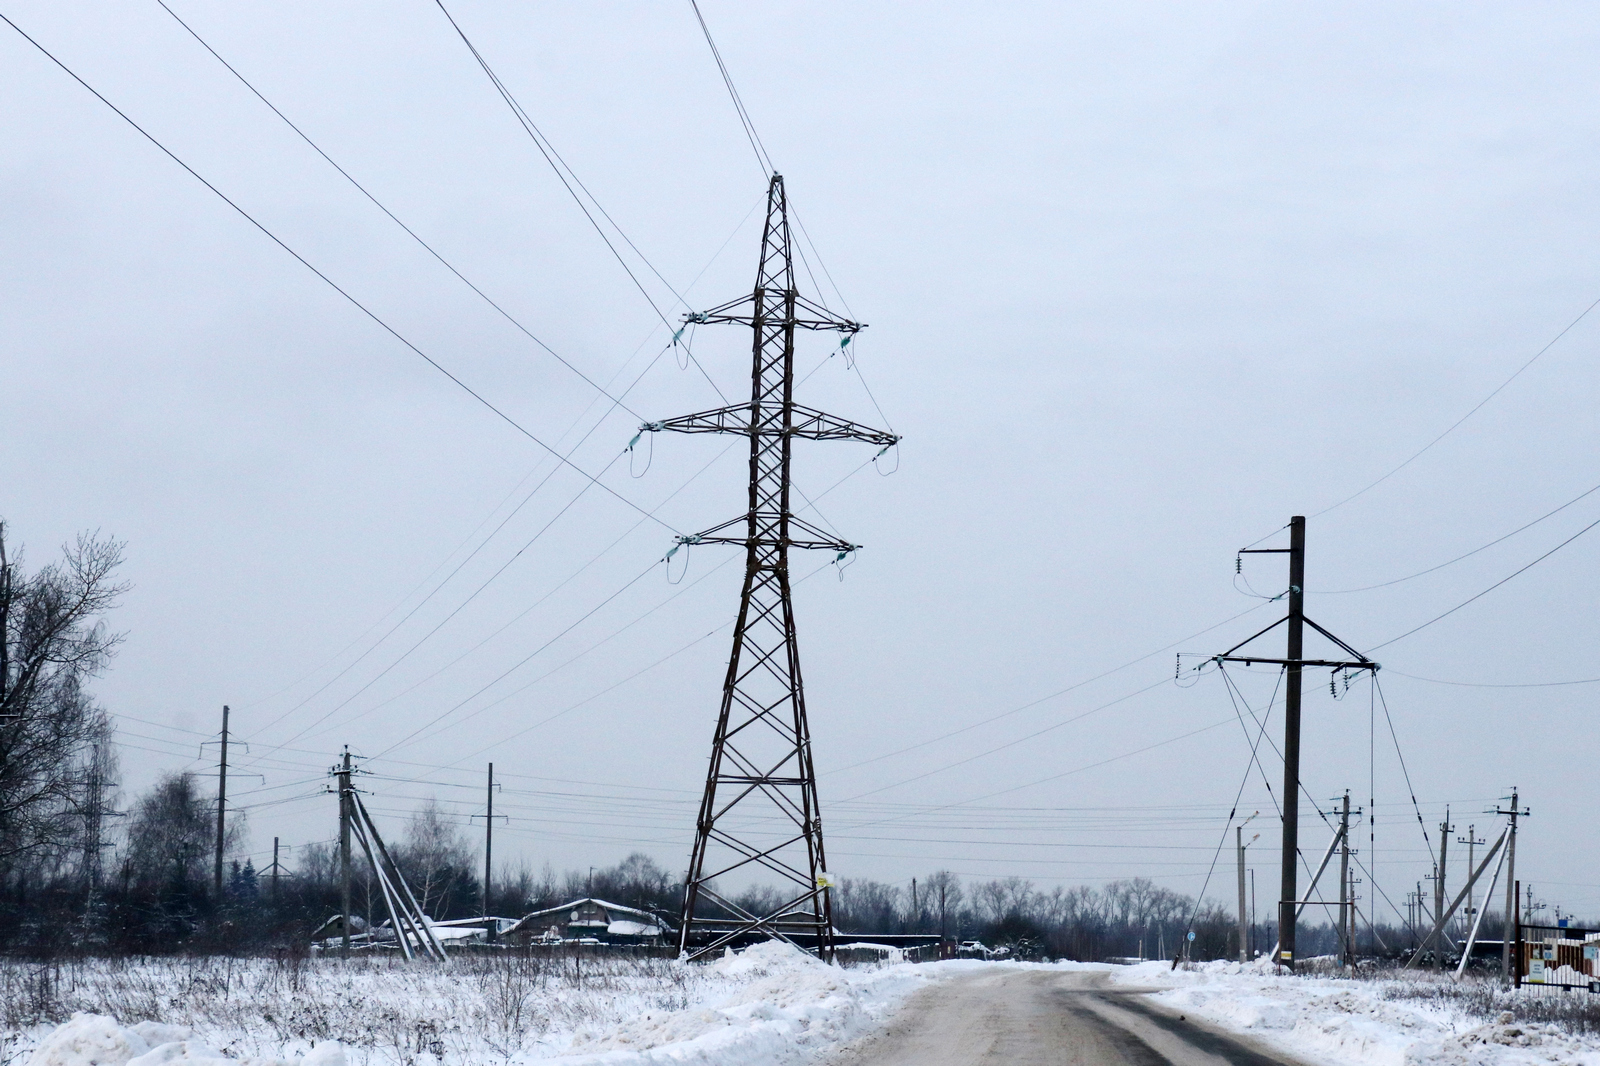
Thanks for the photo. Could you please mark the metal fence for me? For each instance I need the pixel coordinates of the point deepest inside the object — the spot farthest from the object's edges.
(1558, 956)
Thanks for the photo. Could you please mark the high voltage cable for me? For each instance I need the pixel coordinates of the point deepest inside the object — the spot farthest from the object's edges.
(1476, 408)
(624, 628)
(380, 206)
(535, 604)
(457, 610)
(1234, 811)
(484, 543)
(1372, 878)
(562, 172)
(1013, 743)
(1488, 684)
(568, 662)
(763, 160)
(608, 638)
(424, 601)
(357, 304)
(1065, 773)
(1043, 699)
(1474, 551)
(670, 655)
(1488, 590)
(521, 662)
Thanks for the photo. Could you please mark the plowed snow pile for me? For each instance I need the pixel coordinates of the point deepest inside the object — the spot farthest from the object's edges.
(1354, 1023)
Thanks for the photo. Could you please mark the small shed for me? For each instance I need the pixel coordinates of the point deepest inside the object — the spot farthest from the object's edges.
(594, 920)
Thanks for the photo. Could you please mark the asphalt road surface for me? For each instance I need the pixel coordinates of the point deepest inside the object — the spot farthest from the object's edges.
(1027, 1017)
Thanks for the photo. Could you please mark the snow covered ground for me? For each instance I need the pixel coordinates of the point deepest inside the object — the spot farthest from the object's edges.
(1412, 1020)
(770, 1005)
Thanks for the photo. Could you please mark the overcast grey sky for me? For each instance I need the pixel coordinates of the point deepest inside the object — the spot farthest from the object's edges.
(1142, 281)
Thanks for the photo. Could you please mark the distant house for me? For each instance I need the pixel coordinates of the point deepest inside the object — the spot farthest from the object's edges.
(333, 929)
(456, 931)
(593, 920)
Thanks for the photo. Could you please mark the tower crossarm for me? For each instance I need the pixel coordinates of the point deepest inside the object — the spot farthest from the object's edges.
(810, 536)
(804, 422)
(744, 311)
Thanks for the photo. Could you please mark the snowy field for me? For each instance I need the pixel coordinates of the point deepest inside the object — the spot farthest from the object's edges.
(1419, 1019)
(769, 1005)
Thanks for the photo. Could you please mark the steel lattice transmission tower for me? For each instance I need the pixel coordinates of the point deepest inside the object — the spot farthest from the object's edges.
(759, 811)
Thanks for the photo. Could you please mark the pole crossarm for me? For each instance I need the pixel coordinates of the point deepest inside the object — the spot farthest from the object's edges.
(763, 298)
(1334, 664)
(749, 418)
(1361, 662)
(768, 535)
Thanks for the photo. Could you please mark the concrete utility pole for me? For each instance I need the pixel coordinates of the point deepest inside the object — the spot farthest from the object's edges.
(488, 852)
(1252, 910)
(1353, 897)
(1344, 879)
(1291, 739)
(344, 851)
(1244, 928)
(1445, 829)
(222, 802)
(1294, 664)
(1471, 841)
(1511, 890)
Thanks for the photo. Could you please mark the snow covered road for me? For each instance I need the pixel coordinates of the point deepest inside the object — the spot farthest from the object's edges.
(1023, 1017)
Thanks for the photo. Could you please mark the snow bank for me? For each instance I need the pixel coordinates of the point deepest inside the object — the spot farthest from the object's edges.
(792, 1009)
(1352, 1023)
(95, 1040)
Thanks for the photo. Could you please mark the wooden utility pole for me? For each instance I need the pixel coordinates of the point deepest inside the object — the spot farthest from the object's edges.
(344, 851)
(1512, 888)
(1344, 879)
(274, 871)
(222, 802)
(488, 853)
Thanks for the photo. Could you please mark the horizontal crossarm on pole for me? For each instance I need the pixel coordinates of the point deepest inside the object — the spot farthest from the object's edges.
(813, 538)
(820, 318)
(1365, 664)
(805, 422)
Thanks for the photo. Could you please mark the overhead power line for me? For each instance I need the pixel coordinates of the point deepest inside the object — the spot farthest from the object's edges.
(507, 315)
(1491, 684)
(1491, 588)
(568, 178)
(1458, 422)
(1468, 555)
(303, 261)
(763, 160)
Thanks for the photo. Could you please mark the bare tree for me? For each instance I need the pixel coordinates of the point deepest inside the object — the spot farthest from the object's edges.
(52, 641)
(436, 860)
(172, 834)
